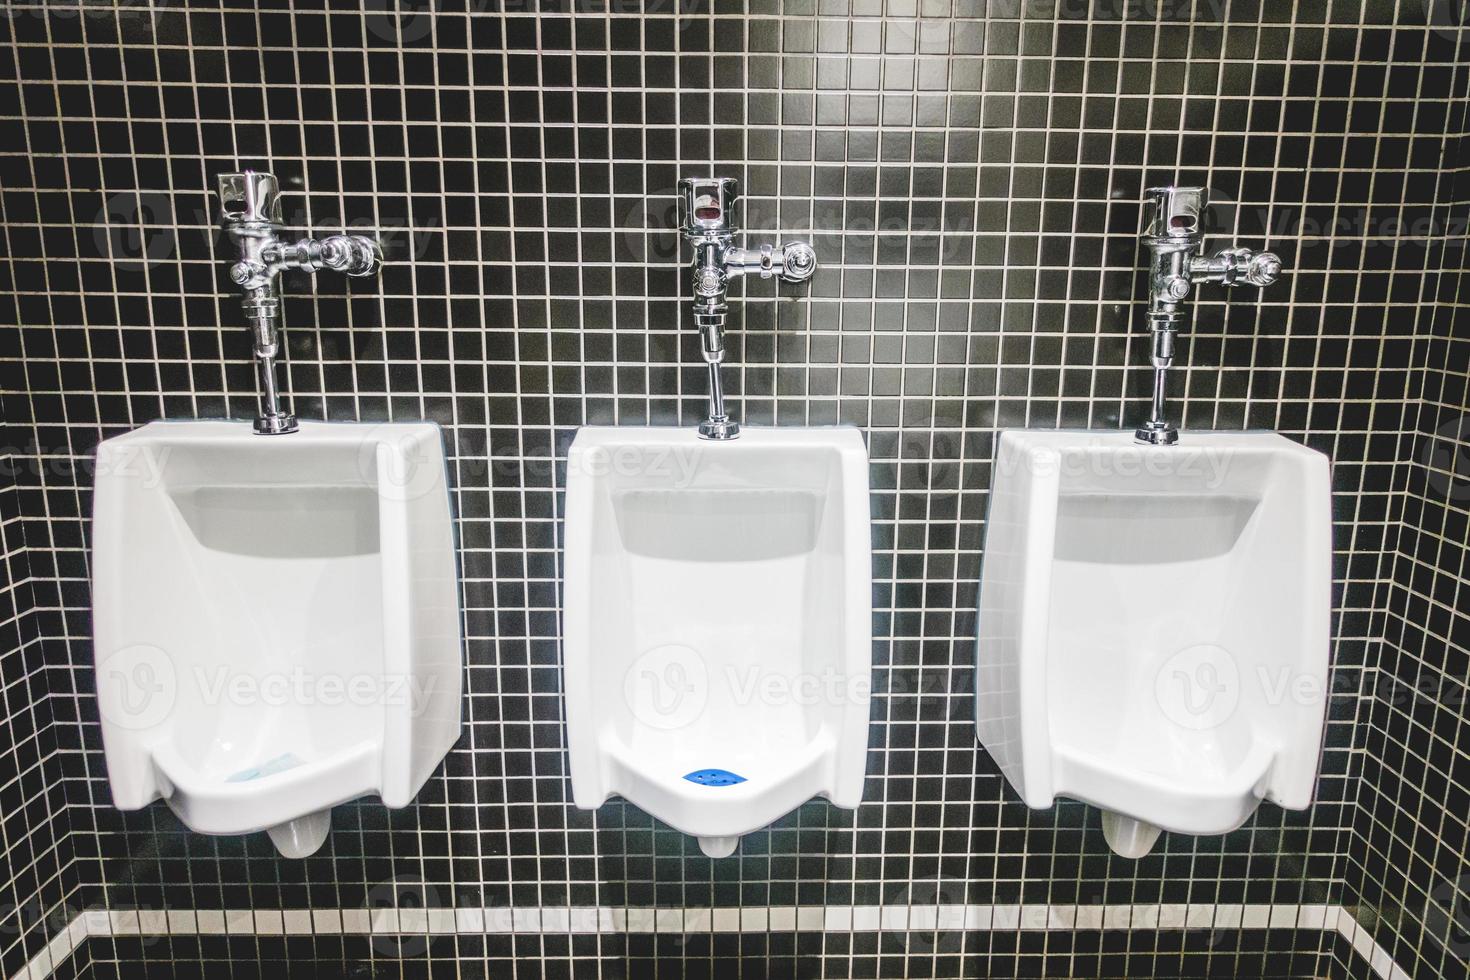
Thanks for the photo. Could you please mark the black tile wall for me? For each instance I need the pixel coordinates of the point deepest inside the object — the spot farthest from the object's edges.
(1413, 825)
(969, 171)
(36, 873)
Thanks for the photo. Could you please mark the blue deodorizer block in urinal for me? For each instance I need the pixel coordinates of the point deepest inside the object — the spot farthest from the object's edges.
(652, 667)
(714, 777)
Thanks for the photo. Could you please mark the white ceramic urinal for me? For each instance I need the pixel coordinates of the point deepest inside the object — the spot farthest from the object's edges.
(717, 617)
(276, 621)
(1154, 626)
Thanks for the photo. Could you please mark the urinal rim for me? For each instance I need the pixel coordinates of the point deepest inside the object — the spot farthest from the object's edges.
(189, 792)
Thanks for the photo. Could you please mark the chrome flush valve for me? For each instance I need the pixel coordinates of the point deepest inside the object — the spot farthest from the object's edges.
(1174, 236)
(707, 220)
(251, 208)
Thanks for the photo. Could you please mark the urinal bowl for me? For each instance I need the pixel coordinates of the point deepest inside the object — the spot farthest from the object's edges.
(1154, 626)
(717, 623)
(276, 621)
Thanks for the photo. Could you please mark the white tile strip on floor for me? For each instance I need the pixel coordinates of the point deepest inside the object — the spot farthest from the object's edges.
(841, 918)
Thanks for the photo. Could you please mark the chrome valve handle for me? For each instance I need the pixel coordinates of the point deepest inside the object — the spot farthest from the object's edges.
(250, 197)
(798, 262)
(1237, 267)
(351, 255)
(793, 262)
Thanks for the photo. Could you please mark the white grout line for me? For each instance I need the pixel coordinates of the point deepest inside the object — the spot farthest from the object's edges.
(563, 920)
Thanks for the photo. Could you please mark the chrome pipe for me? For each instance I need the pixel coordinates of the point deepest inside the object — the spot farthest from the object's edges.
(250, 204)
(1174, 236)
(707, 220)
